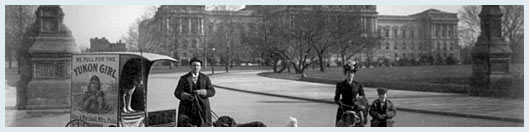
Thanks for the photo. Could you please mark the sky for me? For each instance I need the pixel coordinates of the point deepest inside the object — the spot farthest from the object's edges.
(113, 21)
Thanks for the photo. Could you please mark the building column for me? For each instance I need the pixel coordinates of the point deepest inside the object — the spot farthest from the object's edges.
(179, 24)
(189, 25)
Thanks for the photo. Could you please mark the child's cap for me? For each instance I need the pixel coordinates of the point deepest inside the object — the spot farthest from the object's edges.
(382, 90)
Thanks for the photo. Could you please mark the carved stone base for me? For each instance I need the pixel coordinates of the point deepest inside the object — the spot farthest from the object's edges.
(48, 94)
(501, 85)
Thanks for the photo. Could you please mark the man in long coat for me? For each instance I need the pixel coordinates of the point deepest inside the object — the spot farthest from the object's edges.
(194, 90)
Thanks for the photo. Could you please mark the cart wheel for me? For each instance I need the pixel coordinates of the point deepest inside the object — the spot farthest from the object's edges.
(77, 123)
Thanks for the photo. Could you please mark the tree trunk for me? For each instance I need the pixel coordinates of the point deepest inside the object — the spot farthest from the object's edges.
(322, 67)
(25, 77)
(226, 65)
(343, 59)
(10, 63)
(275, 65)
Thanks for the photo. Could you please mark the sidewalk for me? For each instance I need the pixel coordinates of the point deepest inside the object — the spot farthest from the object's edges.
(28, 118)
(425, 102)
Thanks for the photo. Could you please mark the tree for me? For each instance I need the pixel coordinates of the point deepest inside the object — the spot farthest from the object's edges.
(263, 47)
(25, 66)
(291, 38)
(146, 35)
(132, 38)
(225, 30)
(323, 33)
(512, 25)
(18, 20)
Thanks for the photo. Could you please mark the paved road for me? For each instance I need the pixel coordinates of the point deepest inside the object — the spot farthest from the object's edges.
(274, 111)
(246, 107)
(248, 81)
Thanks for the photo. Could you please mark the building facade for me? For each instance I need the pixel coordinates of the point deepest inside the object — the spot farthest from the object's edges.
(103, 45)
(429, 36)
(181, 30)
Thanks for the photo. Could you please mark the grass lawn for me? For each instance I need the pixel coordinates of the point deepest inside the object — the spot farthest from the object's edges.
(454, 74)
(167, 69)
(444, 78)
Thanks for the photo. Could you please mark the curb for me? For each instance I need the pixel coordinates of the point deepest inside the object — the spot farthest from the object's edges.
(403, 109)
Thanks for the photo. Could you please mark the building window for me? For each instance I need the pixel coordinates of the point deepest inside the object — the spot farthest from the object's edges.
(387, 32)
(412, 33)
(403, 45)
(194, 26)
(396, 55)
(437, 33)
(184, 44)
(444, 46)
(387, 45)
(185, 25)
(443, 33)
(396, 33)
(193, 43)
(403, 33)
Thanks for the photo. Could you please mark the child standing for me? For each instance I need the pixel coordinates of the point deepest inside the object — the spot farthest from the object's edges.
(382, 110)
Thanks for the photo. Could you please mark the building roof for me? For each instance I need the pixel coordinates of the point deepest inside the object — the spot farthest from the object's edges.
(148, 56)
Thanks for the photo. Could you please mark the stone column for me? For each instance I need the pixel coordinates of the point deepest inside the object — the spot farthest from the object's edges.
(491, 56)
(189, 25)
(179, 25)
(51, 51)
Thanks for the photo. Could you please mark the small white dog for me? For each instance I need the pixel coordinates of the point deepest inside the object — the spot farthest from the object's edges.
(292, 122)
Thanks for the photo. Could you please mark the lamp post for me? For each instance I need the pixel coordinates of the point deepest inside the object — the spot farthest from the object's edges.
(213, 61)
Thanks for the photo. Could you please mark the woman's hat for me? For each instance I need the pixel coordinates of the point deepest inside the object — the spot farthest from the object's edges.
(350, 67)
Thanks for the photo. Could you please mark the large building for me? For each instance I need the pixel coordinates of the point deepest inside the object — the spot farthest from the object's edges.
(429, 34)
(182, 29)
(103, 45)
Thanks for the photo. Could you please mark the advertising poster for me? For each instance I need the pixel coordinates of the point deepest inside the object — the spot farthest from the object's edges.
(95, 89)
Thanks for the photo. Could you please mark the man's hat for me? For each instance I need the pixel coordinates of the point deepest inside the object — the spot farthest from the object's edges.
(195, 59)
(382, 90)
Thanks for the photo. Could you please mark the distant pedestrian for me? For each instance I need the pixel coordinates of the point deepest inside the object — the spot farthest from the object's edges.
(194, 90)
(347, 92)
(382, 110)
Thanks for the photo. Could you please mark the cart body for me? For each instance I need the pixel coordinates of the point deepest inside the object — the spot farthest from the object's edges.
(100, 79)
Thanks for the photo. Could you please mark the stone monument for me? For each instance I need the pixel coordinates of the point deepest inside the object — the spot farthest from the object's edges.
(491, 56)
(51, 60)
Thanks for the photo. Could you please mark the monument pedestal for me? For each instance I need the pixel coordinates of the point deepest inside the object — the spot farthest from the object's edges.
(51, 59)
(491, 57)
(48, 94)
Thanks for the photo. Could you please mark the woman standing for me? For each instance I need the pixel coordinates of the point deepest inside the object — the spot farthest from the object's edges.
(347, 92)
